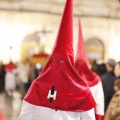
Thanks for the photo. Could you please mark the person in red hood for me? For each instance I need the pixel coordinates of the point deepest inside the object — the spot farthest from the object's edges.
(59, 93)
(10, 78)
(92, 79)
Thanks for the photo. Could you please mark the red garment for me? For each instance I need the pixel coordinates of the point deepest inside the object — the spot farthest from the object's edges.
(2, 116)
(10, 66)
(91, 78)
(59, 86)
(99, 117)
(81, 63)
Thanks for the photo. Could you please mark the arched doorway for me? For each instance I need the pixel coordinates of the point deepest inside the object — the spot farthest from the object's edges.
(31, 45)
(95, 49)
(33, 49)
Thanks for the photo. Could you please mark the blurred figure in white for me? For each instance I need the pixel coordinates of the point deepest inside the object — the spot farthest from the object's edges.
(10, 78)
(24, 72)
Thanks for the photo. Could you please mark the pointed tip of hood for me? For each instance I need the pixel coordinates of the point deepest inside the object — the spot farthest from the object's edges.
(82, 63)
(81, 51)
(64, 40)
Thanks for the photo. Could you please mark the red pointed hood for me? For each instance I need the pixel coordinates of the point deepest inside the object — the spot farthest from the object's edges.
(10, 66)
(59, 86)
(81, 51)
(82, 64)
(64, 41)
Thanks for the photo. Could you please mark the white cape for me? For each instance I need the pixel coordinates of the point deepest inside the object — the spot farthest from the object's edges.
(33, 112)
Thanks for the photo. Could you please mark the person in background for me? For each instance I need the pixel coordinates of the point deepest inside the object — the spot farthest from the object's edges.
(10, 78)
(113, 110)
(24, 76)
(2, 77)
(91, 78)
(117, 70)
(28, 69)
(101, 69)
(108, 81)
(93, 65)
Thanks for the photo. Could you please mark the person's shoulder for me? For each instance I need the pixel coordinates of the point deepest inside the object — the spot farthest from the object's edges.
(107, 75)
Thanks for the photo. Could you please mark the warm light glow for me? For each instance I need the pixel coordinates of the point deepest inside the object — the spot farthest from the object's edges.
(48, 50)
(12, 34)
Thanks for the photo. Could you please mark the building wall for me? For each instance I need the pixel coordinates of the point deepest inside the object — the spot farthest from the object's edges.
(14, 26)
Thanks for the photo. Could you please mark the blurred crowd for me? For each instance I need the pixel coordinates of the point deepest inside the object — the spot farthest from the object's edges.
(17, 76)
(110, 76)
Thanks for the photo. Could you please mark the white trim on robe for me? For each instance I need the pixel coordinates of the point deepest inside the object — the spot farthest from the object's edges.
(33, 112)
(97, 92)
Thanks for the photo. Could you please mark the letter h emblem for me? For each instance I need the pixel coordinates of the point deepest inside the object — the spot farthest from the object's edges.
(52, 94)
